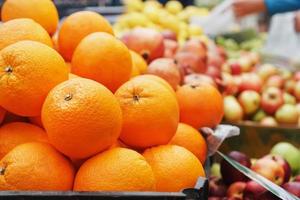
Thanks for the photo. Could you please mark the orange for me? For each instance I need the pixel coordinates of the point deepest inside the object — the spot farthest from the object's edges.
(158, 80)
(191, 139)
(2, 114)
(103, 58)
(36, 166)
(117, 169)
(134, 71)
(76, 27)
(200, 105)
(16, 133)
(28, 71)
(81, 118)
(36, 121)
(139, 62)
(43, 12)
(174, 167)
(22, 29)
(150, 113)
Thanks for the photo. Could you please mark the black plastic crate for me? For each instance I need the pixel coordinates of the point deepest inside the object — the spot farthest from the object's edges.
(200, 192)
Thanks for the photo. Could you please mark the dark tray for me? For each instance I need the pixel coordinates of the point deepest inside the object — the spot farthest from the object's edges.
(200, 192)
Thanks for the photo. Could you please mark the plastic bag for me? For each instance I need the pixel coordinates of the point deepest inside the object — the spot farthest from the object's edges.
(283, 40)
(222, 20)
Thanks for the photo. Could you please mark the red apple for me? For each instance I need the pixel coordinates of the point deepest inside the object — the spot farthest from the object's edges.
(272, 100)
(190, 63)
(222, 52)
(233, 112)
(287, 114)
(215, 60)
(269, 121)
(250, 81)
(289, 86)
(269, 169)
(235, 68)
(167, 69)
(168, 34)
(236, 190)
(145, 41)
(245, 63)
(297, 178)
(297, 90)
(275, 81)
(253, 190)
(229, 173)
(195, 46)
(284, 164)
(170, 48)
(196, 79)
(293, 188)
(250, 101)
(229, 84)
(267, 70)
(297, 76)
(213, 72)
(217, 188)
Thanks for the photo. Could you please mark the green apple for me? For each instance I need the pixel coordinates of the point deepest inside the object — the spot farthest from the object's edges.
(215, 170)
(259, 115)
(287, 114)
(288, 152)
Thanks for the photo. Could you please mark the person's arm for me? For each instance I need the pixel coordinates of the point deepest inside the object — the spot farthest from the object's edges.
(246, 7)
(280, 6)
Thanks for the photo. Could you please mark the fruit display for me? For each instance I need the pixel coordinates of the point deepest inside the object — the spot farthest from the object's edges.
(280, 166)
(83, 110)
(171, 19)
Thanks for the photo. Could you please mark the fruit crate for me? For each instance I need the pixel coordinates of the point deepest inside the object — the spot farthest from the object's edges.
(200, 192)
(256, 140)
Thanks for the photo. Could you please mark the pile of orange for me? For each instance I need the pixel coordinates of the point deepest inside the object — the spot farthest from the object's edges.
(73, 118)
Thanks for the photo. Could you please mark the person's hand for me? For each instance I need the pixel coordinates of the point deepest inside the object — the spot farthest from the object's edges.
(242, 8)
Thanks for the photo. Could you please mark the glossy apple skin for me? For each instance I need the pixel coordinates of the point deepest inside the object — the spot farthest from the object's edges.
(250, 101)
(293, 188)
(138, 41)
(269, 169)
(253, 190)
(268, 121)
(229, 173)
(250, 81)
(284, 164)
(217, 188)
(272, 100)
(236, 190)
(275, 81)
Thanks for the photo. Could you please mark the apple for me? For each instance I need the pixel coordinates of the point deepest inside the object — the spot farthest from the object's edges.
(286, 74)
(289, 99)
(297, 178)
(250, 101)
(272, 100)
(214, 60)
(213, 72)
(284, 164)
(267, 70)
(138, 41)
(269, 169)
(167, 69)
(259, 115)
(289, 86)
(229, 84)
(196, 79)
(275, 81)
(289, 152)
(245, 63)
(297, 90)
(250, 81)
(195, 46)
(229, 173)
(217, 188)
(255, 58)
(233, 112)
(287, 114)
(236, 68)
(190, 63)
(215, 170)
(269, 121)
(293, 188)
(253, 190)
(168, 34)
(297, 76)
(236, 190)
(222, 52)
(170, 48)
